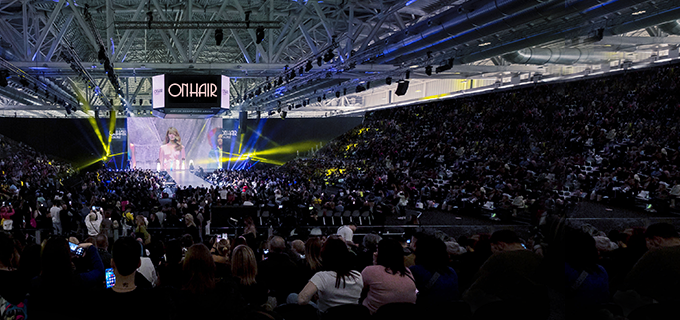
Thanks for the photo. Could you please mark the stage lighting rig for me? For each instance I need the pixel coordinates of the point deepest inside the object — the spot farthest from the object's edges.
(259, 34)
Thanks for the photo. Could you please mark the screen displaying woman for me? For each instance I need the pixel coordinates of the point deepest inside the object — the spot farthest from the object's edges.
(172, 152)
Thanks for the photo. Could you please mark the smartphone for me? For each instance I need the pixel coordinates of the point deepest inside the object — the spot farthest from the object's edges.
(77, 250)
(408, 241)
(280, 206)
(266, 251)
(94, 208)
(110, 278)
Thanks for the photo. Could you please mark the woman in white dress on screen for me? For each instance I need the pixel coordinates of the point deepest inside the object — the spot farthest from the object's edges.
(172, 152)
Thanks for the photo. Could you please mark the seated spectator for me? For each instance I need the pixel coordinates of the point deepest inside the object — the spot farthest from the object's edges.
(388, 281)
(278, 271)
(657, 274)
(587, 282)
(14, 285)
(208, 297)
(336, 286)
(58, 282)
(347, 233)
(312, 262)
(244, 270)
(510, 275)
(125, 293)
(437, 283)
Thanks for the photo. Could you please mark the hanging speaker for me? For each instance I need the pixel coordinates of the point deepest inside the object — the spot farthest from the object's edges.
(242, 122)
(402, 87)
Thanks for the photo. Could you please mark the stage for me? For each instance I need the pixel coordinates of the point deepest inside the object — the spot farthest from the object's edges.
(185, 178)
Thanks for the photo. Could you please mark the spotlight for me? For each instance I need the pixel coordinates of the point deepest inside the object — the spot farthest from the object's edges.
(408, 74)
(318, 99)
(361, 88)
(300, 71)
(428, 70)
(290, 107)
(259, 34)
(283, 115)
(368, 85)
(280, 81)
(318, 61)
(344, 91)
(219, 36)
(388, 81)
(247, 19)
(308, 66)
(292, 74)
(324, 96)
(23, 82)
(337, 94)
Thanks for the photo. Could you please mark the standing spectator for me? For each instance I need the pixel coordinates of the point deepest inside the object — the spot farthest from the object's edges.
(388, 281)
(191, 228)
(56, 219)
(93, 222)
(347, 232)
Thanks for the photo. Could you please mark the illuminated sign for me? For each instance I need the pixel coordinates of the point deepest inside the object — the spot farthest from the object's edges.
(171, 91)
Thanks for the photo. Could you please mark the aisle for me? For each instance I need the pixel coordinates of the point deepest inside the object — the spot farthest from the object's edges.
(184, 178)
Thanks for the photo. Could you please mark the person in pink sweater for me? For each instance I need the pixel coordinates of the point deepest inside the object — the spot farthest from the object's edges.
(388, 280)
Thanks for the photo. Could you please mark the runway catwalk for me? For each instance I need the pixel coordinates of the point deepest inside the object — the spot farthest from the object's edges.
(185, 178)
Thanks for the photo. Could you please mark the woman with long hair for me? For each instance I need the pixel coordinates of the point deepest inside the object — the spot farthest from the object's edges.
(206, 297)
(199, 270)
(172, 152)
(338, 284)
(388, 281)
(244, 271)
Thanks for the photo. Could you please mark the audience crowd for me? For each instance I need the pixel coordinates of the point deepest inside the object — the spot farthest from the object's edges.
(533, 151)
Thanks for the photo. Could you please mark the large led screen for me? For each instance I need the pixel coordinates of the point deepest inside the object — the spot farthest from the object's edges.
(175, 144)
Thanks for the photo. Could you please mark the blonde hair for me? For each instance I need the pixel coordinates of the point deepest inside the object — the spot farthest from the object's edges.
(223, 247)
(178, 139)
(243, 264)
(190, 219)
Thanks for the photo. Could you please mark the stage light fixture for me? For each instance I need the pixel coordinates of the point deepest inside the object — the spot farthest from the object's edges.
(149, 18)
(337, 94)
(328, 56)
(219, 36)
(259, 34)
(290, 107)
(23, 82)
(300, 71)
(318, 99)
(101, 55)
(408, 74)
(388, 81)
(428, 70)
(4, 74)
(344, 91)
(292, 75)
(308, 66)
(318, 61)
(360, 88)
(324, 96)
(368, 85)
(283, 115)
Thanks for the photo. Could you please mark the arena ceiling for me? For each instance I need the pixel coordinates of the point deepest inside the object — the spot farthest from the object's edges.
(50, 50)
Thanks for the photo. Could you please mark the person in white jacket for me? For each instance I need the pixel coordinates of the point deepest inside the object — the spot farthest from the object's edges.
(93, 221)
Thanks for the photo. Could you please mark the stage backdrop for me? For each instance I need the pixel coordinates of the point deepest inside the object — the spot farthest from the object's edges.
(198, 139)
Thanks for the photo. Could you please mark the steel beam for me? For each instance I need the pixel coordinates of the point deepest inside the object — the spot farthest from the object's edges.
(57, 40)
(48, 27)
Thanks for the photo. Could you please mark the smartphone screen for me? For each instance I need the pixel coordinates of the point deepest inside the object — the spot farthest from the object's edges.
(94, 208)
(79, 251)
(110, 278)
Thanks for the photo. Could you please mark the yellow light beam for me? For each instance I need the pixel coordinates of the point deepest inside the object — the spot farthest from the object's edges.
(92, 121)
